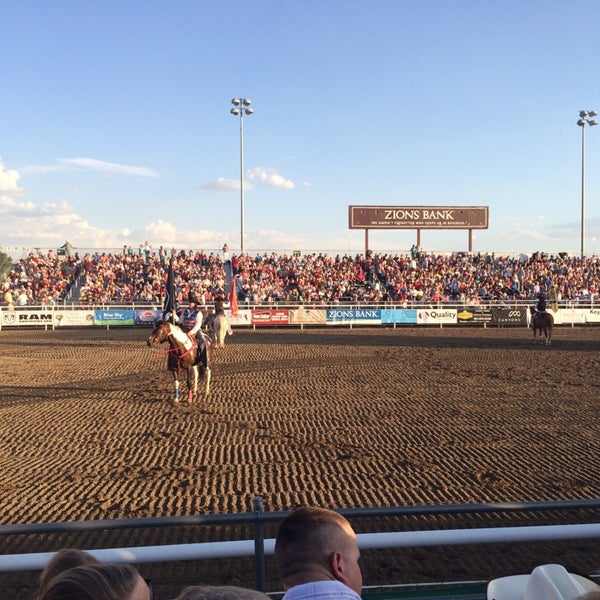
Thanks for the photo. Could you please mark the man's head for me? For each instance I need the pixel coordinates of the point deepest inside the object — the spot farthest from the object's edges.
(193, 302)
(317, 544)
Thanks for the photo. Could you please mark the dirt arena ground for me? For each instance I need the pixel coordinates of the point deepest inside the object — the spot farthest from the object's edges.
(336, 417)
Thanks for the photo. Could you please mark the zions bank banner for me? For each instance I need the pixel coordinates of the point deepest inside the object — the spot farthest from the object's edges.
(360, 316)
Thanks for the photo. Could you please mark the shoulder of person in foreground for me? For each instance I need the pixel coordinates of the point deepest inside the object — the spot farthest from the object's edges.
(220, 592)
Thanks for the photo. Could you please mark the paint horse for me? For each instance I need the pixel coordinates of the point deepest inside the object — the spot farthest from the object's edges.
(182, 355)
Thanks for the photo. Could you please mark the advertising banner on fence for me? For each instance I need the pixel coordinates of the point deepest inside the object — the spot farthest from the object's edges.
(509, 316)
(243, 317)
(434, 316)
(572, 315)
(360, 316)
(114, 317)
(307, 316)
(262, 317)
(73, 318)
(593, 315)
(556, 315)
(147, 317)
(403, 316)
(10, 318)
(474, 314)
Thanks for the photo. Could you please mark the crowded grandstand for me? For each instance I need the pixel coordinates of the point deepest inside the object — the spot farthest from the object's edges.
(139, 276)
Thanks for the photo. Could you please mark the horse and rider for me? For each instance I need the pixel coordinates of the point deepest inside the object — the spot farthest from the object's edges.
(217, 323)
(542, 321)
(209, 319)
(190, 319)
(540, 308)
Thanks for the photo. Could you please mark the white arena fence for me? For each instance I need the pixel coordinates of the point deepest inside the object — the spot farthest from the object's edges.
(499, 314)
(259, 547)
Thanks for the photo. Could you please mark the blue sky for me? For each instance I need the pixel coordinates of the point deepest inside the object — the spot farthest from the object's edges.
(115, 125)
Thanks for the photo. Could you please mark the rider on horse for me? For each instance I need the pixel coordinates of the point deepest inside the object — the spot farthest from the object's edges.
(540, 308)
(219, 309)
(190, 320)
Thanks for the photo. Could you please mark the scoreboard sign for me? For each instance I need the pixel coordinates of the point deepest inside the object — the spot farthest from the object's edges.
(418, 217)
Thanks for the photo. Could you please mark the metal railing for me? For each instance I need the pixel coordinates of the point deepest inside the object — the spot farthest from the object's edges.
(259, 547)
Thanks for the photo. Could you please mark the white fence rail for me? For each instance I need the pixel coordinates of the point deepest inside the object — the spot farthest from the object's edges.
(259, 547)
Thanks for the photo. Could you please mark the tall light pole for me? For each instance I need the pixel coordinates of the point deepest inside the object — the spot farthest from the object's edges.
(586, 117)
(241, 106)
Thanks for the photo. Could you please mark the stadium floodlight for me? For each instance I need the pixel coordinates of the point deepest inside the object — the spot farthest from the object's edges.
(241, 108)
(586, 117)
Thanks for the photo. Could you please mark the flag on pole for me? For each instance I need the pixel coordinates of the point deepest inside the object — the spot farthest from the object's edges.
(233, 303)
(169, 303)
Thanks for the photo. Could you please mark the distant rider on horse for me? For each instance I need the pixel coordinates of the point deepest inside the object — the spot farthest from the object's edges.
(219, 309)
(540, 308)
(190, 320)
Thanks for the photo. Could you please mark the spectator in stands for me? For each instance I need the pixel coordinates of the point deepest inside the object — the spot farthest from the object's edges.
(23, 296)
(8, 297)
(220, 592)
(67, 248)
(62, 561)
(317, 555)
(98, 582)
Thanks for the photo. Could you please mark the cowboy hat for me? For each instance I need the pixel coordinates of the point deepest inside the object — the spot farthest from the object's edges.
(546, 582)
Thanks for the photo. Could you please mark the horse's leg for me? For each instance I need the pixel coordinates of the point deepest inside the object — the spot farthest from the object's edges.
(189, 381)
(207, 375)
(193, 388)
(176, 382)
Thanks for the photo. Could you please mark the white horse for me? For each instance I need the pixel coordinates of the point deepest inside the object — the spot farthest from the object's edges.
(221, 328)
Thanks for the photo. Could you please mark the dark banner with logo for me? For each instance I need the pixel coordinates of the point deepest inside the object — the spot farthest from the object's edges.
(509, 316)
(474, 314)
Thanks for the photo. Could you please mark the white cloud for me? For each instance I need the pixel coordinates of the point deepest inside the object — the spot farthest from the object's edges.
(269, 178)
(49, 225)
(108, 167)
(8, 204)
(224, 184)
(257, 175)
(9, 179)
(166, 234)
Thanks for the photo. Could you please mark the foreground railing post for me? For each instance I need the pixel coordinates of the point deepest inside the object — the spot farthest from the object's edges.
(259, 544)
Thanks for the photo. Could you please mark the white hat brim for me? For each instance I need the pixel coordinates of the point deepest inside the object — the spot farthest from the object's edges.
(564, 585)
(507, 588)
